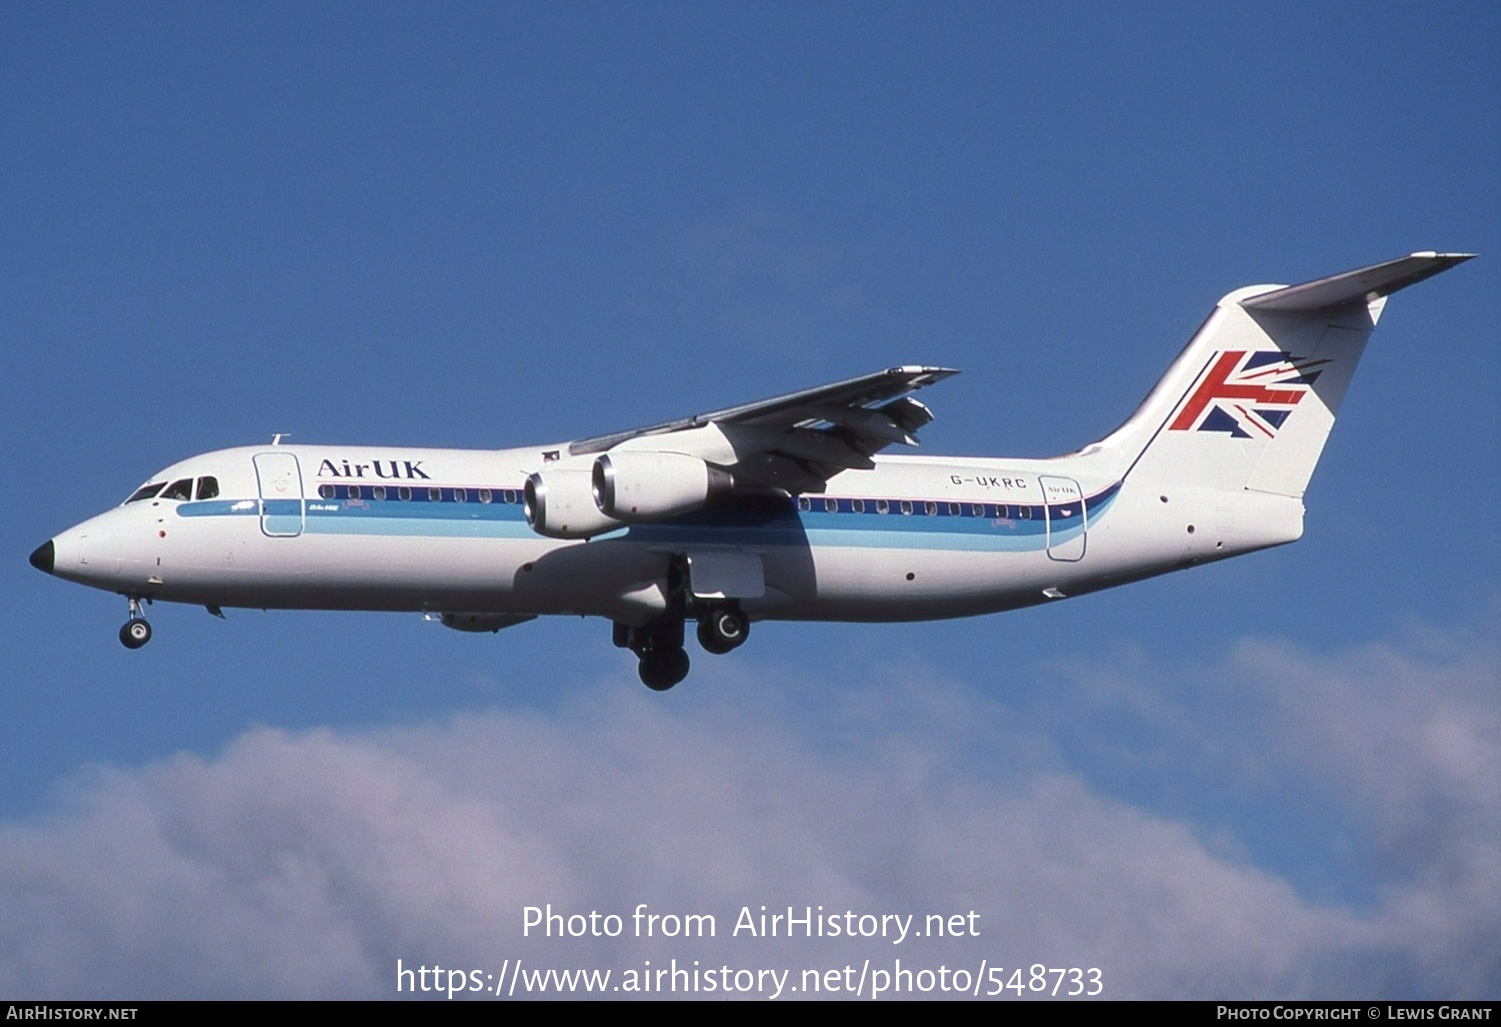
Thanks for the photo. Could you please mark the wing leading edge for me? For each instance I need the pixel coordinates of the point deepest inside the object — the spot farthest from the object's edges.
(798, 441)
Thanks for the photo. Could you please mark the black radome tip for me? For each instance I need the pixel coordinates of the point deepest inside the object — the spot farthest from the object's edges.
(43, 556)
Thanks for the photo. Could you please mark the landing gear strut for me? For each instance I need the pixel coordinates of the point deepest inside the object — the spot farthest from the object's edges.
(722, 626)
(136, 632)
(659, 643)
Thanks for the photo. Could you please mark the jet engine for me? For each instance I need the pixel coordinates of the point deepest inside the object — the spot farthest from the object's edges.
(639, 486)
(559, 503)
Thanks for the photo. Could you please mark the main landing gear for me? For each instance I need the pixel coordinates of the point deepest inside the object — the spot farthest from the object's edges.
(722, 629)
(136, 632)
(659, 643)
(722, 626)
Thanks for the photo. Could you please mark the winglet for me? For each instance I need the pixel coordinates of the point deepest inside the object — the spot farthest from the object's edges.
(1363, 285)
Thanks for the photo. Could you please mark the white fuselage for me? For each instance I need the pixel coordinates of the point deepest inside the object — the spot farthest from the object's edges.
(782, 508)
(438, 530)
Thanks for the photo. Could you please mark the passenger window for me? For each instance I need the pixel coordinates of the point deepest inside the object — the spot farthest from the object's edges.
(354, 492)
(461, 495)
(1024, 513)
(403, 493)
(978, 510)
(435, 495)
(326, 491)
(208, 487)
(907, 507)
(831, 505)
(181, 490)
(882, 506)
(145, 492)
(858, 505)
(509, 495)
(804, 504)
(931, 509)
(954, 510)
(378, 492)
(484, 495)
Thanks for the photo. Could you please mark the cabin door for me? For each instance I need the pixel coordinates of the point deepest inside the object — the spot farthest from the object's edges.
(1068, 521)
(280, 479)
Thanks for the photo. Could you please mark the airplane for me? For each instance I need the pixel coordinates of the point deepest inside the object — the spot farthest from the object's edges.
(782, 509)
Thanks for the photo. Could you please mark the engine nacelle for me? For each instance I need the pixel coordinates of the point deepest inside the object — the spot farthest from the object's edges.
(491, 622)
(559, 503)
(640, 486)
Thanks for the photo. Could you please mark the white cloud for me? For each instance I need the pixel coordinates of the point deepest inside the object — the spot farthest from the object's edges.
(306, 865)
(1412, 737)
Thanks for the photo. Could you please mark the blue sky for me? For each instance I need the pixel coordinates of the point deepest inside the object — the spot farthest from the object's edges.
(495, 224)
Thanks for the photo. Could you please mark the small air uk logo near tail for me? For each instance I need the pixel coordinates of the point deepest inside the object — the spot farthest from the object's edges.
(1248, 393)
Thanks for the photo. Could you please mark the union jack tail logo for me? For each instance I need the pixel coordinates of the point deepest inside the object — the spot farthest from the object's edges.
(1247, 393)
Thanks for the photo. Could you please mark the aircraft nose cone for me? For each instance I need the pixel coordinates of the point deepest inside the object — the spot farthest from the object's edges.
(43, 556)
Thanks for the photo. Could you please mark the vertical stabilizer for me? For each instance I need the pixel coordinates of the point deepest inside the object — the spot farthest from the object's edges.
(1249, 404)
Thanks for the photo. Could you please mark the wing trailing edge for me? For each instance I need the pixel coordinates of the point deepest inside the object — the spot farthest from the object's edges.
(831, 402)
(799, 441)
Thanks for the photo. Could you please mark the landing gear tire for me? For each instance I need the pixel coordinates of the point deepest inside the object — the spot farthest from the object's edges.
(663, 668)
(135, 633)
(723, 630)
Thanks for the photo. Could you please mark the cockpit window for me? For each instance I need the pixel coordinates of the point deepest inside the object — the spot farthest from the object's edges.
(146, 492)
(208, 487)
(178, 490)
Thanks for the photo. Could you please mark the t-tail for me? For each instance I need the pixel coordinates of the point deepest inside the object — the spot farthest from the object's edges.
(1251, 400)
(1216, 459)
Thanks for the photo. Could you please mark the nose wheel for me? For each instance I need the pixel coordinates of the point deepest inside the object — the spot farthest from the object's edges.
(136, 632)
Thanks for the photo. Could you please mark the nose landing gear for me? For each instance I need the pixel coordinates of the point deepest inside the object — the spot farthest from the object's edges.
(136, 632)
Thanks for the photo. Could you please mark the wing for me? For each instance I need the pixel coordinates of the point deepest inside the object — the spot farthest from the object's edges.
(797, 441)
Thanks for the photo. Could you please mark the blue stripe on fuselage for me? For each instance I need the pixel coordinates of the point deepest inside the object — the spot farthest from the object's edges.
(765, 523)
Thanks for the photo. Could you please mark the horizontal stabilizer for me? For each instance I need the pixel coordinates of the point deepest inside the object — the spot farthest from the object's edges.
(1250, 402)
(1362, 285)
